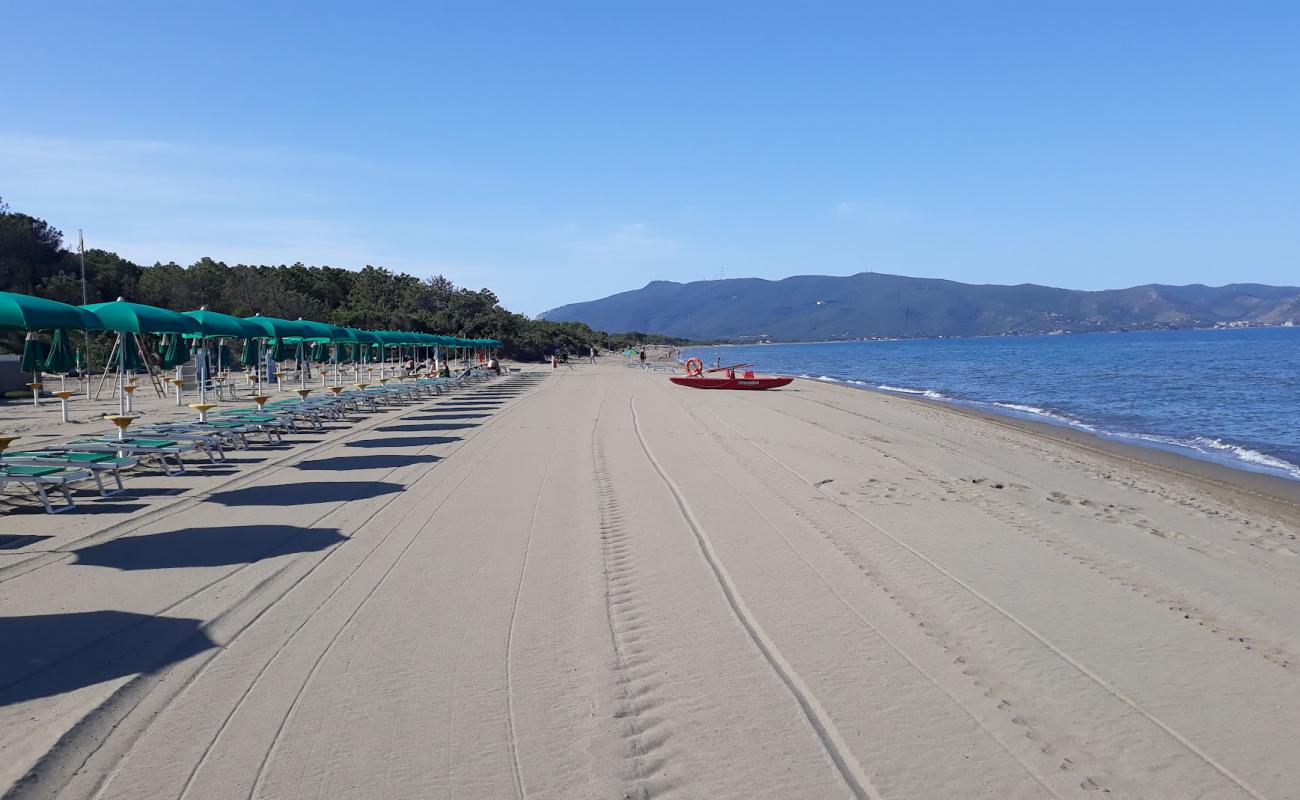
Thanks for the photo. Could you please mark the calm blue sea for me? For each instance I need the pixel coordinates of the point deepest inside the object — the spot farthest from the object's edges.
(1230, 396)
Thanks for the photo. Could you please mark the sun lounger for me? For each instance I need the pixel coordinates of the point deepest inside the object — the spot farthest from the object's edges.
(283, 419)
(272, 426)
(311, 413)
(39, 476)
(210, 442)
(95, 462)
(159, 449)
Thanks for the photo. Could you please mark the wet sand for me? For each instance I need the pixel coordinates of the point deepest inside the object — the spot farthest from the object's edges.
(592, 583)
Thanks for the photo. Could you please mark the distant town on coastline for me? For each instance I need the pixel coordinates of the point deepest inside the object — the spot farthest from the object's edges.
(34, 260)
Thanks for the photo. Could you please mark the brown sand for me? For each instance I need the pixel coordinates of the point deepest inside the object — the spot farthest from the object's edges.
(591, 583)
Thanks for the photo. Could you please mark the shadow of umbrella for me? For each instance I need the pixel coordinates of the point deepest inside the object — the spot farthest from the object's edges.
(427, 427)
(298, 494)
(206, 547)
(50, 654)
(366, 462)
(409, 441)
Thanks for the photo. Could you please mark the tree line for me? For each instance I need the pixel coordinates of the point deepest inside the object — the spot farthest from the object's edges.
(34, 260)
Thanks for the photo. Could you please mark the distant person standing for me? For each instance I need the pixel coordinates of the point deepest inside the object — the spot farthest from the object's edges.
(555, 360)
(593, 355)
(642, 358)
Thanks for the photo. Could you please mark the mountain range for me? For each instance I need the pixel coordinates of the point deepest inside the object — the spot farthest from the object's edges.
(872, 304)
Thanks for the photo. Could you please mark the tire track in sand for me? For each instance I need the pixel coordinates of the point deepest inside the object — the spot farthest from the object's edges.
(108, 718)
(1109, 688)
(512, 738)
(855, 778)
(645, 749)
(289, 714)
(871, 627)
(1209, 613)
(182, 690)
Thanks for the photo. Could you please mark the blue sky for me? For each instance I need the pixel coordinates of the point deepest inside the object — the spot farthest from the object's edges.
(564, 151)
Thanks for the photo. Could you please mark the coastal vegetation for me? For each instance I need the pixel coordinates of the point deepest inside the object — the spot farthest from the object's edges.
(35, 260)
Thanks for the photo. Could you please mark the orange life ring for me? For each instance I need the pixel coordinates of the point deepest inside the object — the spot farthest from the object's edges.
(694, 367)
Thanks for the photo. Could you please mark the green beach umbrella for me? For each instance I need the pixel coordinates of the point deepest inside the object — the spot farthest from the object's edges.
(34, 352)
(23, 312)
(222, 356)
(252, 352)
(215, 325)
(126, 317)
(133, 361)
(33, 361)
(274, 328)
(178, 352)
(63, 357)
(317, 331)
(276, 331)
(284, 349)
(163, 360)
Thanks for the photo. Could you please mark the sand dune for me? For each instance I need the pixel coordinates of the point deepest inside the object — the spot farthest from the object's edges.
(595, 584)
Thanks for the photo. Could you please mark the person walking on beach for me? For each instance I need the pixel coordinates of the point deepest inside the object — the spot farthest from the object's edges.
(642, 358)
(593, 355)
(555, 360)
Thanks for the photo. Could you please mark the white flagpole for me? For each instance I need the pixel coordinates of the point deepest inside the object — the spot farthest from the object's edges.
(85, 365)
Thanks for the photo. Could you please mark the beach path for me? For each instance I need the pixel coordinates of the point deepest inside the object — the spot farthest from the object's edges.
(592, 583)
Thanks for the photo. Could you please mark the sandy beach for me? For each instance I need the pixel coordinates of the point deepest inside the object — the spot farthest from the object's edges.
(590, 583)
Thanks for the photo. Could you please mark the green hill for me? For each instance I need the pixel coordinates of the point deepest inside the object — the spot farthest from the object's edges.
(869, 304)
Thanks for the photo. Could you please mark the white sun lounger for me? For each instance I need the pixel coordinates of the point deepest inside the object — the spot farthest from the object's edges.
(39, 476)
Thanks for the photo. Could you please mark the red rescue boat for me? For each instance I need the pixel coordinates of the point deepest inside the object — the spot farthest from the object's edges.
(697, 377)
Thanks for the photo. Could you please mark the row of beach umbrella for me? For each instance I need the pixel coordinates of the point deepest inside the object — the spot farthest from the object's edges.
(289, 338)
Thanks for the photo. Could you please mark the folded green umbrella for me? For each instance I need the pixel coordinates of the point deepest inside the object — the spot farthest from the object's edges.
(221, 358)
(178, 351)
(34, 352)
(284, 351)
(62, 358)
(252, 352)
(163, 360)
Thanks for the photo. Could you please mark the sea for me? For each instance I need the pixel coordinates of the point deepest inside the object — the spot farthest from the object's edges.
(1229, 396)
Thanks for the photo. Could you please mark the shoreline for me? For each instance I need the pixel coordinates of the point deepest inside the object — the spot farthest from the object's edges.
(1215, 476)
(1251, 443)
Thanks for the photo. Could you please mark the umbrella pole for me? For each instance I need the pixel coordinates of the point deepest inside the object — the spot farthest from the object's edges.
(103, 379)
(199, 365)
(121, 378)
(153, 377)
